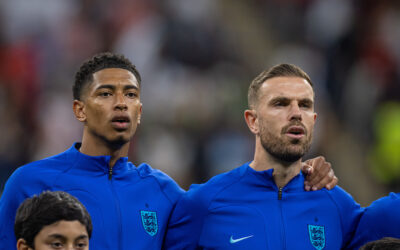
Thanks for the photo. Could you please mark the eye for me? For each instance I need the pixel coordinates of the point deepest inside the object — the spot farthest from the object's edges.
(131, 94)
(104, 94)
(56, 245)
(81, 245)
(306, 105)
(279, 104)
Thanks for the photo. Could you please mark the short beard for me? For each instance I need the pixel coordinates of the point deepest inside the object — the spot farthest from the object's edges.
(114, 144)
(287, 151)
(117, 143)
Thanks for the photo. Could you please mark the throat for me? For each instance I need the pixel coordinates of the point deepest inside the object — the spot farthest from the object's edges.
(283, 174)
(95, 146)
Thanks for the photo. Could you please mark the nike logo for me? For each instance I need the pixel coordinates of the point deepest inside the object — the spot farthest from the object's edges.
(233, 241)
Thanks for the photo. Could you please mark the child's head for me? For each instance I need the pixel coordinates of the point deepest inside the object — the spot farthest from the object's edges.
(52, 220)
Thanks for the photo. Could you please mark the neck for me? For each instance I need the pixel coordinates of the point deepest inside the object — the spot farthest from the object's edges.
(283, 171)
(94, 146)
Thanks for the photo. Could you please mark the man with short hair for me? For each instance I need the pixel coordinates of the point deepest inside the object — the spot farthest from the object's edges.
(262, 204)
(52, 220)
(130, 206)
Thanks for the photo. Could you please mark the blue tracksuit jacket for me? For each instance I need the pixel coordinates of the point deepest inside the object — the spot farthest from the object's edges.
(129, 208)
(381, 219)
(244, 209)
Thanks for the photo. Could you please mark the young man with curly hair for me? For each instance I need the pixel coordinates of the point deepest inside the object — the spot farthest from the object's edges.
(129, 205)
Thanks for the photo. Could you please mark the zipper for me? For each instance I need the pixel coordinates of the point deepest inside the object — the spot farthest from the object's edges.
(283, 231)
(280, 193)
(117, 207)
(110, 173)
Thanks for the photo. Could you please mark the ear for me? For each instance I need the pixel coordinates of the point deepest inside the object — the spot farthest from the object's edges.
(140, 113)
(315, 117)
(21, 245)
(78, 107)
(250, 115)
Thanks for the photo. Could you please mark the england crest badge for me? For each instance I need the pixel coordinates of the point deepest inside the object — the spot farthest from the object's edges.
(317, 236)
(149, 221)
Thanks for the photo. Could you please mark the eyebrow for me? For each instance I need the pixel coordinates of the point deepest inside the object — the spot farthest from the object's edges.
(62, 237)
(112, 87)
(307, 100)
(57, 236)
(285, 99)
(81, 237)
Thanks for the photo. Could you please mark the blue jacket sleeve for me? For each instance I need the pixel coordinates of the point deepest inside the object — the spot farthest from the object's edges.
(381, 219)
(186, 222)
(12, 197)
(350, 213)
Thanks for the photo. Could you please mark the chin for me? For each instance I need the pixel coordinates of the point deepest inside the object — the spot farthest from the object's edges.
(118, 142)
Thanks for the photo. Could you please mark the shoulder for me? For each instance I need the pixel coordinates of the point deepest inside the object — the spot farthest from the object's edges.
(167, 185)
(380, 219)
(205, 193)
(45, 166)
(339, 195)
(390, 201)
(58, 161)
(345, 204)
(30, 179)
(39, 173)
(384, 210)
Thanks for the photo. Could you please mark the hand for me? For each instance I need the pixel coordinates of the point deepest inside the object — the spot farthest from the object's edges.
(319, 174)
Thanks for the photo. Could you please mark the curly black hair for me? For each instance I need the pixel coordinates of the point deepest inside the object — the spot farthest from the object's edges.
(45, 209)
(98, 62)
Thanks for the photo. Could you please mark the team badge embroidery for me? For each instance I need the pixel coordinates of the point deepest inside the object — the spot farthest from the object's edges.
(149, 221)
(317, 236)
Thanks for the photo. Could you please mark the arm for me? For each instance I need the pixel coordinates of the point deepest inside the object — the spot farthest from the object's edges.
(10, 200)
(185, 224)
(350, 214)
(319, 174)
(380, 219)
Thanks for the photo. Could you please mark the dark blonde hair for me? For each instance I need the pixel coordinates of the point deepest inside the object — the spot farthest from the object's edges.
(280, 70)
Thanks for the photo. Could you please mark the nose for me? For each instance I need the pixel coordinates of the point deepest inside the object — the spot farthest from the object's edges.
(295, 112)
(70, 247)
(120, 102)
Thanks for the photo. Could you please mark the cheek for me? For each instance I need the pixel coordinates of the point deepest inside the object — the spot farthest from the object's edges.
(310, 123)
(266, 127)
(96, 112)
(135, 110)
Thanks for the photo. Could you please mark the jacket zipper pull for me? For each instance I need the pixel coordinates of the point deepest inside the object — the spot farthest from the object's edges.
(280, 194)
(109, 173)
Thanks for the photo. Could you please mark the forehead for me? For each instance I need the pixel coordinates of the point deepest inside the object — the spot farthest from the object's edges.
(289, 87)
(115, 76)
(64, 228)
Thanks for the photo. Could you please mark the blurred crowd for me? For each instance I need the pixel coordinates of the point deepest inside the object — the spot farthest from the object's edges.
(197, 59)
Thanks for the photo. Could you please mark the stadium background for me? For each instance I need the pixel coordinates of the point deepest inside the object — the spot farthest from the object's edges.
(197, 59)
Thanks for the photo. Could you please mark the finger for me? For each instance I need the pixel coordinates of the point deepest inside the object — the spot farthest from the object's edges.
(309, 162)
(332, 184)
(306, 168)
(327, 180)
(320, 171)
(320, 178)
(307, 186)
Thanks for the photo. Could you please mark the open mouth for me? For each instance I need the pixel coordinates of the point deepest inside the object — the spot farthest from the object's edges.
(120, 122)
(295, 132)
